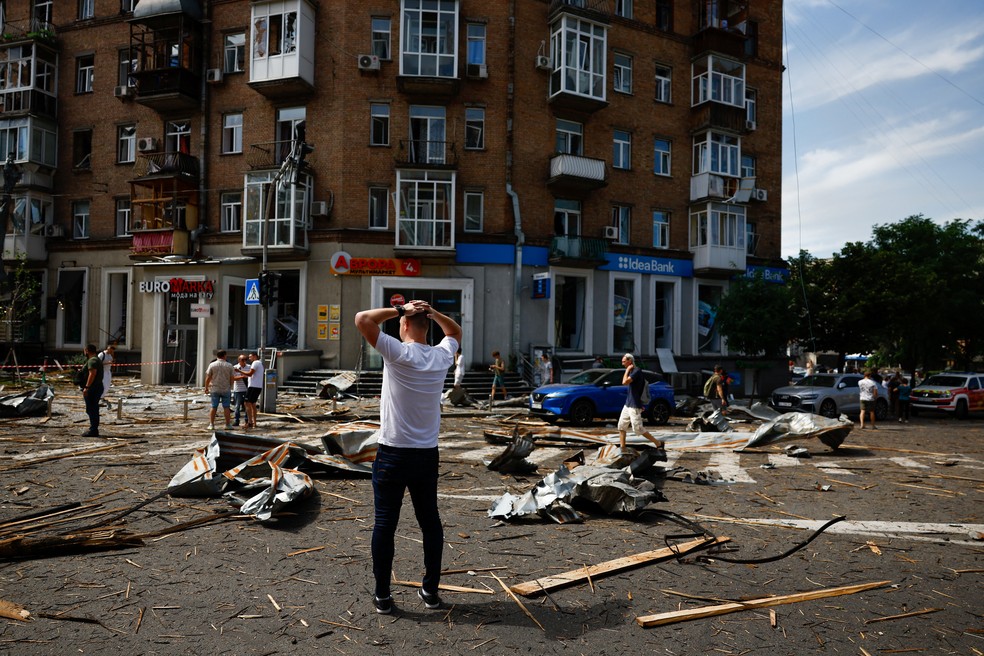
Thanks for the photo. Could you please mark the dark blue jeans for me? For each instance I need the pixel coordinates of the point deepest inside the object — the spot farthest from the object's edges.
(239, 401)
(92, 405)
(395, 471)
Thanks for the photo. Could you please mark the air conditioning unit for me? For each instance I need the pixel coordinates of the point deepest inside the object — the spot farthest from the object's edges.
(319, 208)
(123, 91)
(146, 144)
(54, 231)
(760, 194)
(368, 63)
(213, 75)
(750, 125)
(543, 63)
(480, 71)
(610, 232)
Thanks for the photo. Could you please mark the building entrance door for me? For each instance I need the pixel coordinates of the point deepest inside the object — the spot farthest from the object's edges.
(179, 343)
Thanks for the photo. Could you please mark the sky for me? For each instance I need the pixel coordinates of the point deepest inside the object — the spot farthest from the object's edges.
(883, 117)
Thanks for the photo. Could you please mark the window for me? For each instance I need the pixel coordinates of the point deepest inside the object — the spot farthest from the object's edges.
(41, 14)
(126, 144)
(474, 128)
(718, 224)
(274, 34)
(664, 15)
(82, 149)
(663, 86)
(623, 8)
(567, 217)
(126, 6)
(234, 52)
(80, 219)
(379, 128)
(747, 166)
(177, 137)
(570, 139)
(717, 79)
(751, 107)
(378, 208)
(661, 229)
(474, 211)
(751, 238)
(127, 65)
(232, 133)
(425, 208)
(578, 51)
(716, 152)
(661, 156)
(231, 210)
(13, 138)
(427, 134)
(381, 37)
(287, 120)
(122, 217)
(621, 215)
(87, 9)
(622, 78)
(85, 69)
(429, 38)
(622, 156)
(476, 43)
(751, 38)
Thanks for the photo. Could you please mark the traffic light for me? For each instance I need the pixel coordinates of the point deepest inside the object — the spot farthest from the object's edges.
(272, 284)
(264, 295)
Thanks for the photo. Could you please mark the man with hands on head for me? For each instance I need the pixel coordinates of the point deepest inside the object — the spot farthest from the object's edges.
(407, 454)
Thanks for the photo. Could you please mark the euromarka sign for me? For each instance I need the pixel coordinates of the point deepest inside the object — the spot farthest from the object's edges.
(179, 288)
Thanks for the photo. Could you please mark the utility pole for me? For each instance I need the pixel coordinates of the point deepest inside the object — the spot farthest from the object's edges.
(287, 173)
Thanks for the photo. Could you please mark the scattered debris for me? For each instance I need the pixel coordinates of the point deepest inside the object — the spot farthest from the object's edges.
(794, 451)
(27, 404)
(513, 459)
(802, 425)
(660, 619)
(710, 421)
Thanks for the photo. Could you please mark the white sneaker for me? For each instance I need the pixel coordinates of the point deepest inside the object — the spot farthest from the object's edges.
(211, 427)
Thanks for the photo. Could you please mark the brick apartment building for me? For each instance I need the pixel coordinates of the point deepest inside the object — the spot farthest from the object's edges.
(583, 175)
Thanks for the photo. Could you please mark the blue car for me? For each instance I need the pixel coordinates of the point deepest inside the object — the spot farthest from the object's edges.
(598, 393)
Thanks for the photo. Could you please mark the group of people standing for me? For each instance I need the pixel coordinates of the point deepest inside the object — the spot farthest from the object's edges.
(241, 383)
(899, 397)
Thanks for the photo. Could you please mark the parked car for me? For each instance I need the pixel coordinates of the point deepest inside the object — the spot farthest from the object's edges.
(959, 393)
(829, 395)
(598, 393)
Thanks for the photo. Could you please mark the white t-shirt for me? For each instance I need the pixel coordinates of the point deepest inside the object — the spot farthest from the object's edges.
(868, 388)
(237, 384)
(410, 403)
(256, 379)
(107, 360)
(547, 368)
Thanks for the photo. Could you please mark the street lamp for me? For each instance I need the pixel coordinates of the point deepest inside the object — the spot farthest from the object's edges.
(11, 176)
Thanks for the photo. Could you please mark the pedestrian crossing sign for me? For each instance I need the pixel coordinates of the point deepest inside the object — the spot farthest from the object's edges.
(252, 291)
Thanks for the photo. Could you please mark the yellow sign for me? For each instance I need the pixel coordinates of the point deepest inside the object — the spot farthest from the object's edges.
(334, 331)
(322, 331)
(334, 312)
(322, 313)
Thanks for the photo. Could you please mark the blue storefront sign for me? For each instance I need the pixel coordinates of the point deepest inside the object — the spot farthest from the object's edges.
(662, 266)
(769, 274)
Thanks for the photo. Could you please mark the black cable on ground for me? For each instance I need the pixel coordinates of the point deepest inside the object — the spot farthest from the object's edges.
(794, 549)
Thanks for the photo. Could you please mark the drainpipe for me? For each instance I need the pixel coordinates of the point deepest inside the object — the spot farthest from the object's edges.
(517, 217)
(206, 53)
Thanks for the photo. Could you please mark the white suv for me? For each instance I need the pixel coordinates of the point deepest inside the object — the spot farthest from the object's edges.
(959, 393)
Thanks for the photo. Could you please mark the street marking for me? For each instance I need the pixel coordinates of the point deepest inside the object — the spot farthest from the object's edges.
(909, 462)
(782, 460)
(727, 467)
(833, 468)
(919, 531)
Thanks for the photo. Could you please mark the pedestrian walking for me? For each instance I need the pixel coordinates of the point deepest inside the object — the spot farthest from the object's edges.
(631, 415)
(253, 388)
(546, 369)
(407, 455)
(92, 388)
(107, 356)
(240, 378)
(868, 390)
(716, 389)
(458, 395)
(218, 384)
(498, 367)
(905, 396)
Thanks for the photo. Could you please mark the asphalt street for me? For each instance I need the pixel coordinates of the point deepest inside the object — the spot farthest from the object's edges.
(206, 581)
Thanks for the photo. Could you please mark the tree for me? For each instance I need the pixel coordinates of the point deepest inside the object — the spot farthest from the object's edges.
(20, 318)
(757, 318)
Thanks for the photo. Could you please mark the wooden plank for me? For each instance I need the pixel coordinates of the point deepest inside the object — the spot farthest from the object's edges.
(445, 586)
(585, 574)
(660, 619)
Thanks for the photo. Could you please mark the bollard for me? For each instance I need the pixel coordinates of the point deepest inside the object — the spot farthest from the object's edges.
(186, 410)
(50, 401)
(119, 408)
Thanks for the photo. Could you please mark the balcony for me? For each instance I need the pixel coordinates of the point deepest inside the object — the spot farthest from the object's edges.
(167, 165)
(576, 175)
(417, 154)
(282, 48)
(581, 252)
(705, 186)
(594, 10)
(718, 116)
(28, 101)
(151, 243)
(164, 205)
(727, 41)
(168, 89)
(434, 87)
(720, 260)
(32, 247)
(166, 49)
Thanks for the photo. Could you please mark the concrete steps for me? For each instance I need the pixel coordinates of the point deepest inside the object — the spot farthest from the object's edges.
(370, 383)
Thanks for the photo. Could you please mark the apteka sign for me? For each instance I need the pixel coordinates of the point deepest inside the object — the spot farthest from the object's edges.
(179, 288)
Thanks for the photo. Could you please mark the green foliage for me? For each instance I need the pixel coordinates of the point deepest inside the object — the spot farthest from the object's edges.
(21, 299)
(756, 317)
(911, 295)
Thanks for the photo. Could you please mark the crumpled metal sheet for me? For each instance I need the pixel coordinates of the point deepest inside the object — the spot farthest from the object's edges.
(710, 422)
(357, 446)
(197, 478)
(513, 458)
(27, 404)
(279, 485)
(610, 489)
(802, 425)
